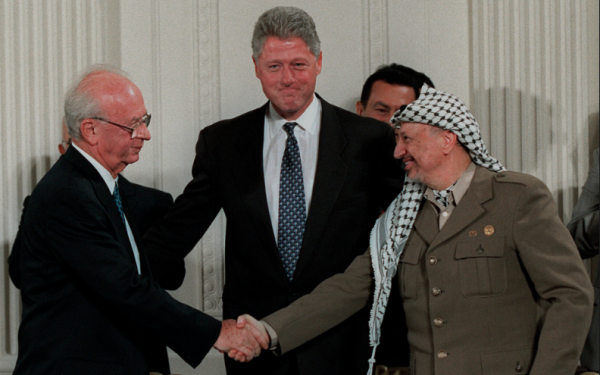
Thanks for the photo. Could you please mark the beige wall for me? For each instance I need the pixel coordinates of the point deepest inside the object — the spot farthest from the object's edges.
(528, 69)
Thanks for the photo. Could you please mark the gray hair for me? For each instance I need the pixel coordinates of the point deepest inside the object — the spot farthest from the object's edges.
(284, 23)
(79, 101)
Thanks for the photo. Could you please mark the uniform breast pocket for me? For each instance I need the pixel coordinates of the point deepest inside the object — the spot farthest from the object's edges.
(481, 266)
(409, 272)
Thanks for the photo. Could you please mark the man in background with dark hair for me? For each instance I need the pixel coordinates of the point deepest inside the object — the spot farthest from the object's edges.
(389, 88)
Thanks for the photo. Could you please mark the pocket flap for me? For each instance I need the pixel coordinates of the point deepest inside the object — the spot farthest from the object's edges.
(412, 256)
(480, 247)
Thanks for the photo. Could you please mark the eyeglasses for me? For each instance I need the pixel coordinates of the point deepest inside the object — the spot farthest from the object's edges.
(131, 129)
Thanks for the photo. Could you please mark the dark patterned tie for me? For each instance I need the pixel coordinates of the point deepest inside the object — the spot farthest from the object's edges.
(292, 203)
(118, 201)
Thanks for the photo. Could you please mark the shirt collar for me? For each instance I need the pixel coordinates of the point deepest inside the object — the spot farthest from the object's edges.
(459, 189)
(307, 121)
(104, 173)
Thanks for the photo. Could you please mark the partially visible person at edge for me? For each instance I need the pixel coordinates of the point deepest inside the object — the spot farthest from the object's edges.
(584, 229)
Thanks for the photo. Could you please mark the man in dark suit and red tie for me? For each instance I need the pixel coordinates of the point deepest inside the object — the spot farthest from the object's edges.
(301, 183)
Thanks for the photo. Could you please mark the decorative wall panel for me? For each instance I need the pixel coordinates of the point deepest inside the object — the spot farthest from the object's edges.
(375, 19)
(530, 89)
(206, 110)
(43, 45)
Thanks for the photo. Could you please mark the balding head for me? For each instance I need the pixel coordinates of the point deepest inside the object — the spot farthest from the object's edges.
(106, 117)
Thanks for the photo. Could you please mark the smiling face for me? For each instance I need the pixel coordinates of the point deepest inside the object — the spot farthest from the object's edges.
(422, 151)
(385, 99)
(288, 72)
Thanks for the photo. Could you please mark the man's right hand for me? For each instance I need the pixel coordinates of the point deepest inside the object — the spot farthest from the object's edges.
(241, 343)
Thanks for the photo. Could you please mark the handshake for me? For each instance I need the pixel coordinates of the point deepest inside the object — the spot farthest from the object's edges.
(242, 340)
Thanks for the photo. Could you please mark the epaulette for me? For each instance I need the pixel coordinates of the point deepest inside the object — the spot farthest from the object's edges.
(513, 177)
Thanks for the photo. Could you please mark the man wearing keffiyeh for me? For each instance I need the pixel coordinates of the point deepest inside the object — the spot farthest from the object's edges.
(490, 279)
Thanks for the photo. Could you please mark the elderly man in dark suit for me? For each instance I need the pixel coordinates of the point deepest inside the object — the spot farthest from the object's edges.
(144, 206)
(90, 305)
(478, 250)
(301, 183)
(584, 229)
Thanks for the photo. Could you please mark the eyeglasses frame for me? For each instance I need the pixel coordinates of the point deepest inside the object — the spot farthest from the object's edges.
(131, 129)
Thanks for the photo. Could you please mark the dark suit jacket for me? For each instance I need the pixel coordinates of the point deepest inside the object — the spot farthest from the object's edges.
(142, 206)
(85, 307)
(356, 175)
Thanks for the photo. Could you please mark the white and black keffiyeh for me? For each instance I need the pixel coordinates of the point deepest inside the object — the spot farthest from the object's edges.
(391, 231)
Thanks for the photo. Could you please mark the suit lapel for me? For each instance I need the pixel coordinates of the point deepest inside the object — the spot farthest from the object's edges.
(102, 194)
(250, 179)
(470, 207)
(329, 179)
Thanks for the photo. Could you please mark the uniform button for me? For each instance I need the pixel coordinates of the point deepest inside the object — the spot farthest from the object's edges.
(519, 368)
(438, 322)
(432, 260)
(444, 214)
(442, 354)
(436, 291)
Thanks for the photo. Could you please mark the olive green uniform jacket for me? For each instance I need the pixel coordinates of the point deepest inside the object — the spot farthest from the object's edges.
(500, 289)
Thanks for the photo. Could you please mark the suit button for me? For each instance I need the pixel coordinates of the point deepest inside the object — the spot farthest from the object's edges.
(519, 368)
(442, 354)
(438, 322)
(432, 260)
(436, 291)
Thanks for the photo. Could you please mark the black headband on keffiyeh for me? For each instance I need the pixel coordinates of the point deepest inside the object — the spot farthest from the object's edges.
(391, 231)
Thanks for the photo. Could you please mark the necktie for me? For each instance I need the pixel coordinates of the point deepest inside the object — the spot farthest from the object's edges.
(118, 201)
(292, 203)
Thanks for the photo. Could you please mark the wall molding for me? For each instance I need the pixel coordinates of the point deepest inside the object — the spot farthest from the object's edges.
(207, 111)
(375, 35)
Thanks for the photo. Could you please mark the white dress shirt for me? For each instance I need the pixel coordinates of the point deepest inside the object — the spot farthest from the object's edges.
(110, 183)
(307, 133)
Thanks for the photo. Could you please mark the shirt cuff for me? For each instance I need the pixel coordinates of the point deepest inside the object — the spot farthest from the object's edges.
(272, 334)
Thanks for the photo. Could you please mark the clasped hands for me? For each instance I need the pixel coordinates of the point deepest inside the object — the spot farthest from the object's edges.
(243, 339)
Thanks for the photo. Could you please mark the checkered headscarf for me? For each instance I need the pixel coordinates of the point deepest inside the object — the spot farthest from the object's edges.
(391, 231)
